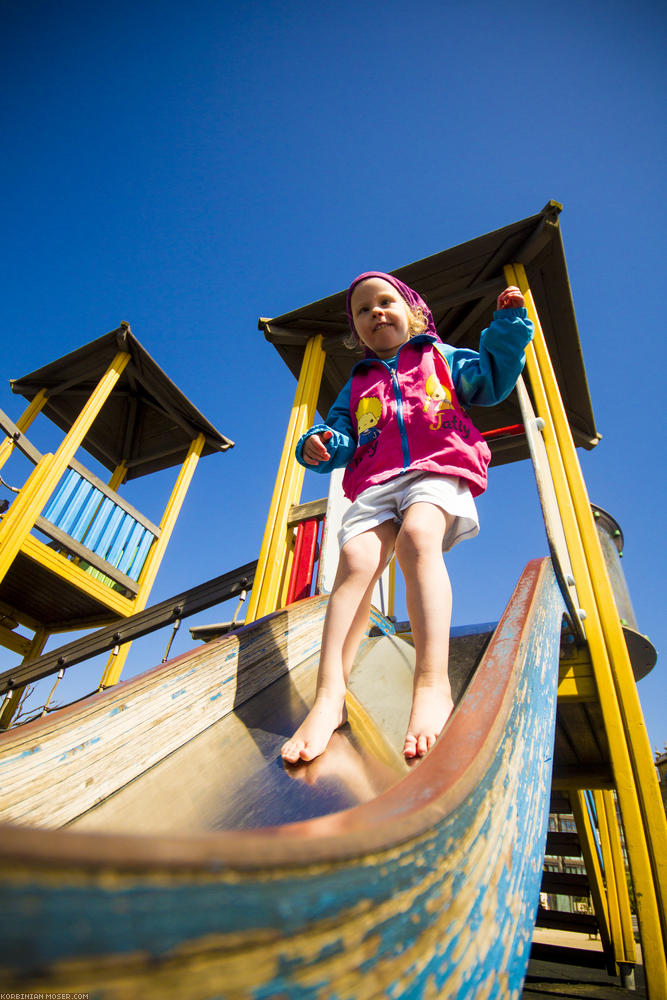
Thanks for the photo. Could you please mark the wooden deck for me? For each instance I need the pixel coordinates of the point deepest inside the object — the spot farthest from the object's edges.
(571, 973)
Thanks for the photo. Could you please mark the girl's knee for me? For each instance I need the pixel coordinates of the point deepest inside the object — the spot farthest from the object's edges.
(357, 560)
(422, 531)
(416, 538)
(363, 555)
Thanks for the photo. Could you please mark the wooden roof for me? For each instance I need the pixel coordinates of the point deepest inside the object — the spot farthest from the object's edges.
(461, 286)
(147, 422)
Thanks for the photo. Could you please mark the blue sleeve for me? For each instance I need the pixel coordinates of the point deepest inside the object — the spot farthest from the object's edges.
(343, 443)
(487, 377)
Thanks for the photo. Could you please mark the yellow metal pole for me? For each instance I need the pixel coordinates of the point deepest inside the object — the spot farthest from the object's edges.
(14, 641)
(287, 453)
(547, 398)
(11, 703)
(621, 668)
(391, 602)
(287, 490)
(613, 905)
(590, 856)
(21, 516)
(291, 480)
(24, 421)
(118, 476)
(116, 661)
(629, 953)
(288, 566)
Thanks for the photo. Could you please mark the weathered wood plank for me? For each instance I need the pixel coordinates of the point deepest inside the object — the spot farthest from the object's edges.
(53, 769)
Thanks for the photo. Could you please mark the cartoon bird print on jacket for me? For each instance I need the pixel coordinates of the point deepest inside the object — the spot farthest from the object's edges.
(439, 400)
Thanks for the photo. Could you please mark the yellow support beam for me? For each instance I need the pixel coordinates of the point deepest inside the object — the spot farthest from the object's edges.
(592, 864)
(70, 572)
(21, 516)
(14, 640)
(618, 897)
(116, 660)
(391, 586)
(24, 421)
(274, 552)
(627, 930)
(118, 477)
(645, 830)
(288, 565)
(12, 701)
(619, 660)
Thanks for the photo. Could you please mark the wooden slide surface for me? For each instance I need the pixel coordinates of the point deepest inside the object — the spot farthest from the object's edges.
(153, 840)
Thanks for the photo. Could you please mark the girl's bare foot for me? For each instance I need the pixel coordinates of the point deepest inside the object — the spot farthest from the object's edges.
(311, 738)
(431, 707)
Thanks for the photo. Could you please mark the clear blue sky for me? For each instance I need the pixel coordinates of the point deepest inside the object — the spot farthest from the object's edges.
(191, 166)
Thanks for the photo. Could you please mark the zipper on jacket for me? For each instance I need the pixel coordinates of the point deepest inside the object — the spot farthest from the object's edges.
(399, 416)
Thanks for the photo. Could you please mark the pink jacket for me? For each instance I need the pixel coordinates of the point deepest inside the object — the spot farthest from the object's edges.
(411, 419)
(406, 414)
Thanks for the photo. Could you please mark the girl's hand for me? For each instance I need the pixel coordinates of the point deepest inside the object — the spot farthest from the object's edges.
(314, 451)
(511, 298)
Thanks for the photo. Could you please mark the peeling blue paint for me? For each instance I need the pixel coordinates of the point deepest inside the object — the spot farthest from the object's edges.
(20, 756)
(75, 750)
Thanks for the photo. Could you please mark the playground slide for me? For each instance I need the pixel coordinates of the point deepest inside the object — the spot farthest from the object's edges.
(154, 845)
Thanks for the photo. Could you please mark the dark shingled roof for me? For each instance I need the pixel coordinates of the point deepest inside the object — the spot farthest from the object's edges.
(147, 422)
(460, 286)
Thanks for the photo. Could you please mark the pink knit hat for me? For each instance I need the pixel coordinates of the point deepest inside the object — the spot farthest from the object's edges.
(413, 298)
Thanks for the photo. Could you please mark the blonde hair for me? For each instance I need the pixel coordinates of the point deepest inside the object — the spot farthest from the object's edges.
(417, 323)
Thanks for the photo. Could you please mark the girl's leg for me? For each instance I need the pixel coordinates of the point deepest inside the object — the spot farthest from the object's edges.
(361, 563)
(429, 600)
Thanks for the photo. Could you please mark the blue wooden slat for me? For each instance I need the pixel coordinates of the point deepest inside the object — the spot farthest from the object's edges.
(100, 523)
(140, 558)
(119, 542)
(75, 505)
(106, 541)
(61, 497)
(130, 548)
(83, 521)
(88, 516)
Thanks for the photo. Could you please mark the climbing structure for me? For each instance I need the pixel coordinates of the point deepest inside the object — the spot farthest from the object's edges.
(546, 420)
(426, 881)
(74, 554)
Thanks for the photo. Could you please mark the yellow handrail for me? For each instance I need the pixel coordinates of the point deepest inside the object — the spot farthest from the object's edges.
(116, 661)
(21, 517)
(23, 423)
(645, 829)
(274, 552)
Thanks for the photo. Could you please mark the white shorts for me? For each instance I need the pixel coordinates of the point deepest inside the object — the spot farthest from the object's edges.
(390, 500)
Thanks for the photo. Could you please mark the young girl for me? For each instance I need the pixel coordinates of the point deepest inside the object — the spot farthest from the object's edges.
(412, 480)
